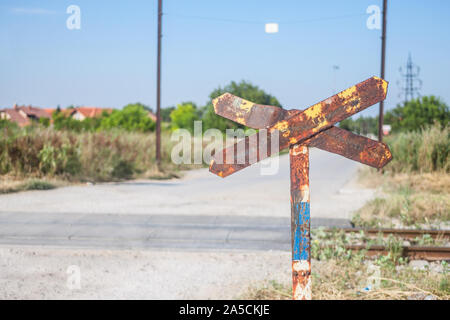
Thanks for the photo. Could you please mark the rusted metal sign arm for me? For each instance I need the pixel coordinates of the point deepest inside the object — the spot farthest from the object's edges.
(304, 125)
(345, 143)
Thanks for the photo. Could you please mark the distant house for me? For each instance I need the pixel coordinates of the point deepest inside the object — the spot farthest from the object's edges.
(14, 116)
(67, 112)
(387, 129)
(32, 113)
(152, 116)
(23, 115)
(82, 113)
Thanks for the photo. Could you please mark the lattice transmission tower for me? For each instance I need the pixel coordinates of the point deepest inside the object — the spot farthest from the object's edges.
(410, 83)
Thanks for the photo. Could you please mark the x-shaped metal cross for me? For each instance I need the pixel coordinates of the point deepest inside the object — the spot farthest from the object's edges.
(298, 130)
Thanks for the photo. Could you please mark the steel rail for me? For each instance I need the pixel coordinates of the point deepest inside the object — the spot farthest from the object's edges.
(403, 233)
(430, 253)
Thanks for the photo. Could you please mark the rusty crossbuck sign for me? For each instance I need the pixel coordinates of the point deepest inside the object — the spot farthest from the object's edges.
(300, 130)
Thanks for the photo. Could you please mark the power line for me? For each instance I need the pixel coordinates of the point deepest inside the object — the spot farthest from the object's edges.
(326, 18)
(213, 19)
(218, 19)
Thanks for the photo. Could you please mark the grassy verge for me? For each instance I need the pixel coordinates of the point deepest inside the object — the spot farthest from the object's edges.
(12, 185)
(86, 156)
(341, 274)
(422, 151)
(335, 280)
(37, 158)
(414, 189)
(420, 200)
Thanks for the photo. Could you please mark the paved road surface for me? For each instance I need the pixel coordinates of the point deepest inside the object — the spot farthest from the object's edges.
(244, 211)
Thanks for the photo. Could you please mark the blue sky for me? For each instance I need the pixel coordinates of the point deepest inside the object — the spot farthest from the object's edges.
(111, 60)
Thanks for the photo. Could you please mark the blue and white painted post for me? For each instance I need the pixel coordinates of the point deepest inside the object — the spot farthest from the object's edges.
(300, 222)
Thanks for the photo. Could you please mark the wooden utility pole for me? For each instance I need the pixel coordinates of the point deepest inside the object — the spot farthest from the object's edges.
(158, 89)
(383, 62)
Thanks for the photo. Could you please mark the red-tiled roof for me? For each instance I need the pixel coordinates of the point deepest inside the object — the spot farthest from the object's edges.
(15, 116)
(88, 112)
(66, 112)
(50, 110)
(92, 112)
(22, 114)
(33, 112)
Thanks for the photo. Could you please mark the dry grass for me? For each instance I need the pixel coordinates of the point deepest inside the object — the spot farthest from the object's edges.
(406, 199)
(343, 274)
(436, 182)
(341, 280)
(38, 158)
(414, 190)
(425, 150)
(12, 184)
(57, 157)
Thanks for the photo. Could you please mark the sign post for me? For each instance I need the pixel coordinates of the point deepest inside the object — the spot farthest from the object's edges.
(300, 222)
(298, 130)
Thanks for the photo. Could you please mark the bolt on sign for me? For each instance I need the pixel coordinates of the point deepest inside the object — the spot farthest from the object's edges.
(299, 130)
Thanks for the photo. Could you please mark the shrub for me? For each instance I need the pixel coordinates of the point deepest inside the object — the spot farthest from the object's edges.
(59, 161)
(63, 122)
(38, 185)
(45, 122)
(184, 116)
(8, 125)
(133, 117)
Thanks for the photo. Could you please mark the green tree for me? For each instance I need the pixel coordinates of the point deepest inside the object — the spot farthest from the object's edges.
(243, 89)
(144, 106)
(362, 125)
(417, 114)
(63, 122)
(44, 122)
(133, 117)
(165, 113)
(184, 116)
(93, 124)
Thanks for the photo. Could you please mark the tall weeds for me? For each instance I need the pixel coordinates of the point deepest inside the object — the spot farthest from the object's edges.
(420, 151)
(97, 156)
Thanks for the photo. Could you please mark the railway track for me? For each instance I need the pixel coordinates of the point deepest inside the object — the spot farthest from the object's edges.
(413, 252)
(429, 253)
(408, 234)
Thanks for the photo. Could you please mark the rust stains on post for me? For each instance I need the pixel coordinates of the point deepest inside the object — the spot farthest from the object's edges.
(306, 124)
(300, 223)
